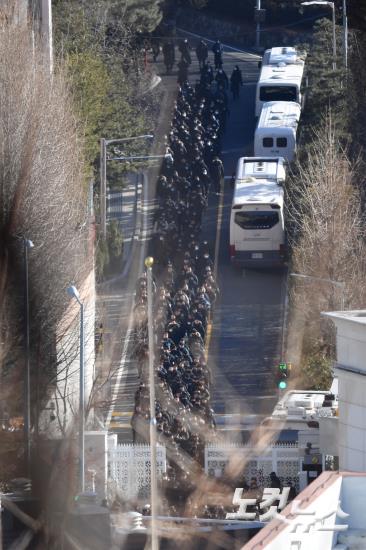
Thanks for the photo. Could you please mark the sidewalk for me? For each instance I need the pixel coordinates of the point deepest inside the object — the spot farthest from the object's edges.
(124, 206)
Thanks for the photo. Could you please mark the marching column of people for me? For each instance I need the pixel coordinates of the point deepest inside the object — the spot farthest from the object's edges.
(185, 289)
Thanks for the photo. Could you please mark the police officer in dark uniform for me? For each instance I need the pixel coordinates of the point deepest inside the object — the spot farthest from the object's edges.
(218, 49)
(202, 53)
(217, 173)
(169, 55)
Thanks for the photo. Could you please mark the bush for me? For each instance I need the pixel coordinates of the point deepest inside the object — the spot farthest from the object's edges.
(316, 371)
(101, 258)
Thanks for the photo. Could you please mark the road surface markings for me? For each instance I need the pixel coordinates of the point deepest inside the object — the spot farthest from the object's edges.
(121, 368)
(208, 339)
(217, 248)
(233, 150)
(218, 229)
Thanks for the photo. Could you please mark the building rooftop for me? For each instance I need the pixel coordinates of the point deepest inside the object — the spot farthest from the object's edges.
(329, 514)
(301, 407)
(261, 169)
(281, 114)
(355, 316)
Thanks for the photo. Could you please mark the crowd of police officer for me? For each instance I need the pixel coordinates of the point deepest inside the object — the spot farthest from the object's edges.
(185, 289)
(209, 72)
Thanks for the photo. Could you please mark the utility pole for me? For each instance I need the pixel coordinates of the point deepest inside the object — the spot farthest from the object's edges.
(27, 245)
(258, 30)
(103, 188)
(331, 4)
(345, 35)
(149, 261)
(46, 31)
(82, 403)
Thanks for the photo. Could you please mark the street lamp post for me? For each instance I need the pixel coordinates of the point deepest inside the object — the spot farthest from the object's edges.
(27, 245)
(331, 5)
(149, 261)
(73, 293)
(338, 284)
(103, 175)
(258, 28)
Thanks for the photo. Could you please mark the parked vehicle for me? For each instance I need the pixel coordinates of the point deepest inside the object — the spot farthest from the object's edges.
(257, 226)
(281, 77)
(276, 131)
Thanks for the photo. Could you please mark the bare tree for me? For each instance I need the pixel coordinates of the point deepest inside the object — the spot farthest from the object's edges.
(327, 239)
(43, 197)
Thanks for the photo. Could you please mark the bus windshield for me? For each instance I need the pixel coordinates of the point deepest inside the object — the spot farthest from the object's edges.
(256, 220)
(278, 93)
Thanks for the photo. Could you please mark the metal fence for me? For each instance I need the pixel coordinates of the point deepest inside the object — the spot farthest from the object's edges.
(129, 465)
(282, 458)
(129, 468)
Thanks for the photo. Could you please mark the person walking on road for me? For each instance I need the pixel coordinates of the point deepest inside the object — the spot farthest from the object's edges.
(169, 55)
(275, 481)
(236, 80)
(155, 48)
(184, 49)
(202, 53)
(217, 174)
(217, 49)
(182, 72)
(222, 79)
(207, 75)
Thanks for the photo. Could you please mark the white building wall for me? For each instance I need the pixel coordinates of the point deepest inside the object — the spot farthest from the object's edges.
(351, 354)
(96, 462)
(353, 501)
(62, 409)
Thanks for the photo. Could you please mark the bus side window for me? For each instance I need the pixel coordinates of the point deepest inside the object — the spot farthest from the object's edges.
(281, 142)
(267, 142)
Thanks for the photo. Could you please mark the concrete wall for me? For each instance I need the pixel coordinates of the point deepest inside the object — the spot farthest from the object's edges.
(329, 435)
(352, 421)
(96, 462)
(353, 501)
(62, 409)
(351, 354)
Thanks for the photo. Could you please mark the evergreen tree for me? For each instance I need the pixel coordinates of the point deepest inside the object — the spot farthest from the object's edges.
(139, 15)
(105, 66)
(327, 89)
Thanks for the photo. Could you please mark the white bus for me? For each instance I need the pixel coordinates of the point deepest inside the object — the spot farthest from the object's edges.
(257, 228)
(275, 135)
(280, 78)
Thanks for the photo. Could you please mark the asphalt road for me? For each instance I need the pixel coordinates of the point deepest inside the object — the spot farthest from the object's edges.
(246, 337)
(247, 323)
